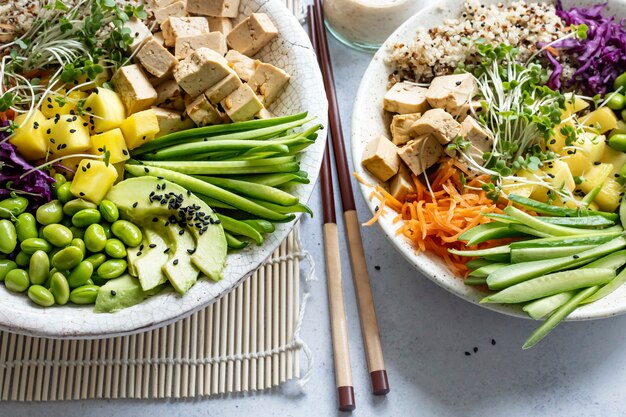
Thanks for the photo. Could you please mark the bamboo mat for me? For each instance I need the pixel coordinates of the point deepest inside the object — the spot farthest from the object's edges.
(246, 341)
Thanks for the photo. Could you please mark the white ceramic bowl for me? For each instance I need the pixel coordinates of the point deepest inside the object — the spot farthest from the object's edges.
(369, 120)
(292, 51)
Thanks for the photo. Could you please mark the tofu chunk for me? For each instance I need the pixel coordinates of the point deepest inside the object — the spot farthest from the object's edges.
(134, 89)
(400, 127)
(170, 95)
(380, 157)
(451, 92)
(264, 114)
(158, 36)
(467, 110)
(175, 27)
(223, 88)
(220, 24)
(201, 70)
(171, 121)
(242, 104)
(156, 59)
(175, 9)
(481, 139)
(402, 184)
(243, 65)
(438, 123)
(406, 98)
(421, 153)
(185, 45)
(252, 34)
(221, 8)
(203, 113)
(267, 82)
(138, 31)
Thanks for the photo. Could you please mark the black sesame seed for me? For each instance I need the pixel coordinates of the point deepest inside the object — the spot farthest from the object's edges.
(475, 349)
(113, 293)
(88, 165)
(125, 152)
(181, 232)
(493, 342)
(155, 219)
(135, 204)
(152, 245)
(72, 130)
(467, 353)
(48, 131)
(175, 262)
(191, 251)
(36, 125)
(166, 250)
(146, 170)
(84, 169)
(81, 194)
(52, 140)
(139, 253)
(575, 256)
(596, 162)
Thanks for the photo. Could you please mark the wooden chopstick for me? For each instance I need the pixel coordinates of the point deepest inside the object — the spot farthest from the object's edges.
(367, 311)
(339, 327)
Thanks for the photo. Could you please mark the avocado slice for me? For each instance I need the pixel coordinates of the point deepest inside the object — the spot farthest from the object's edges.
(142, 198)
(179, 268)
(119, 293)
(148, 259)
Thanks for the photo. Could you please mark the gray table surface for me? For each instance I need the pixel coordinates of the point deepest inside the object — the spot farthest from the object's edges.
(578, 371)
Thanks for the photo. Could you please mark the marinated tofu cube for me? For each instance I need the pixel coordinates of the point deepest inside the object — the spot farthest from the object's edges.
(175, 27)
(202, 112)
(140, 128)
(406, 98)
(185, 45)
(175, 9)
(156, 59)
(468, 109)
(171, 121)
(400, 127)
(380, 157)
(267, 82)
(451, 92)
(138, 31)
(111, 141)
(170, 95)
(438, 123)
(158, 37)
(402, 184)
(264, 114)
(223, 88)
(242, 104)
(481, 139)
(220, 24)
(134, 88)
(421, 153)
(201, 70)
(222, 8)
(243, 65)
(252, 34)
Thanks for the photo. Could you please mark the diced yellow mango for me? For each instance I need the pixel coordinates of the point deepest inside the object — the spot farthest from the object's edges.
(615, 158)
(67, 135)
(93, 180)
(140, 128)
(600, 121)
(596, 176)
(581, 154)
(520, 188)
(29, 137)
(557, 141)
(119, 168)
(608, 198)
(558, 175)
(573, 104)
(104, 110)
(113, 141)
(72, 164)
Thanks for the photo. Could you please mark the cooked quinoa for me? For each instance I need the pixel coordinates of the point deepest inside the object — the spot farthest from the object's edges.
(440, 50)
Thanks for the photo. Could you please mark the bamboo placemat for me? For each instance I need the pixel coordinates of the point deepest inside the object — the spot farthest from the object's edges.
(246, 341)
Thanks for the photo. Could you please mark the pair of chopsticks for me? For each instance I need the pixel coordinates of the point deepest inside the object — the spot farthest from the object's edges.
(367, 312)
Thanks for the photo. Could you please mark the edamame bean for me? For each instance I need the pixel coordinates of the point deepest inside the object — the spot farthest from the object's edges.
(59, 180)
(67, 258)
(112, 268)
(109, 211)
(17, 280)
(616, 101)
(59, 288)
(90, 282)
(86, 217)
(64, 194)
(79, 243)
(22, 259)
(50, 213)
(39, 267)
(74, 206)
(40, 296)
(84, 295)
(77, 232)
(620, 82)
(115, 249)
(26, 227)
(618, 142)
(8, 236)
(96, 259)
(107, 230)
(12, 207)
(57, 234)
(32, 245)
(95, 238)
(127, 232)
(6, 265)
(79, 275)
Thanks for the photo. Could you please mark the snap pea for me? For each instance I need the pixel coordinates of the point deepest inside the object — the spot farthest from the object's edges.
(481, 253)
(536, 223)
(615, 101)
(59, 288)
(477, 263)
(127, 232)
(485, 271)
(233, 242)
(580, 222)
(543, 208)
(489, 231)
(109, 211)
(86, 217)
(8, 237)
(17, 280)
(79, 275)
(261, 226)
(96, 259)
(535, 254)
(32, 245)
(538, 309)
(475, 281)
(22, 259)
(86, 294)
(529, 230)
(64, 194)
(39, 266)
(296, 208)
(26, 227)
(593, 238)
(80, 244)
(251, 189)
(74, 206)
(6, 265)
(237, 227)
(95, 238)
(57, 234)
(112, 268)
(612, 261)
(40, 296)
(12, 207)
(77, 232)
(50, 213)
(115, 249)
(67, 258)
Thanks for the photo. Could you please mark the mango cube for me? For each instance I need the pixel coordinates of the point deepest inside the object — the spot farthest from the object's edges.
(608, 198)
(61, 103)
(573, 104)
(93, 180)
(558, 175)
(111, 141)
(596, 176)
(586, 150)
(601, 120)
(67, 135)
(518, 187)
(140, 128)
(104, 110)
(29, 138)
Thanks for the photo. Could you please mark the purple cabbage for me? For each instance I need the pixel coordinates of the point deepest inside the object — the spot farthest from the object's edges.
(600, 58)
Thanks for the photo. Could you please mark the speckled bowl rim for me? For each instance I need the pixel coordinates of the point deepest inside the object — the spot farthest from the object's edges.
(369, 120)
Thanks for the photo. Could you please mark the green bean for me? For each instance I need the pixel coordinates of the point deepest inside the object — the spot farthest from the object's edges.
(522, 228)
(50, 213)
(260, 166)
(233, 242)
(86, 294)
(79, 275)
(590, 222)
(12, 207)
(275, 180)
(475, 281)
(96, 259)
(615, 101)
(296, 208)
(127, 232)
(109, 211)
(115, 249)
(538, 309)
(40, 296)
(184, 150)
(95, 238)
(486, 270)
(59, 288)
(67, 258)
(80, 244)
(6, 265)
(489, 231)
(77, 232)
(535, 254)
(477, 263)
(251, 189)
(32, 245)
(64, 194)
(8, 237)
(112, 268)
(539, 225)
(74, 206)
(17, 280)
(237, 227)
(22, 259)
(543, 208)
(59, 235)
(26, 226)
(39, 267)
(86, 217)
(620, 82)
